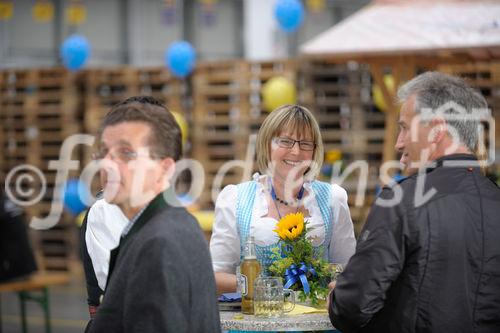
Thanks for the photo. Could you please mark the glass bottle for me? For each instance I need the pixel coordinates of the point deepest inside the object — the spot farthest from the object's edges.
(249, 272)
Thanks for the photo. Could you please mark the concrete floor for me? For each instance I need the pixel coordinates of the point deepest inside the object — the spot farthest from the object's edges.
(68, 308)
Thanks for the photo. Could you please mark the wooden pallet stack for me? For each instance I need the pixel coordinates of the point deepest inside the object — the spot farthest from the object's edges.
(107, 87)
(340, 97)
(16, 94)
(221, 100)
(104, 88)
(227, 111)
(161, 84)
(485, 77)
(260, 73)
(39, 110)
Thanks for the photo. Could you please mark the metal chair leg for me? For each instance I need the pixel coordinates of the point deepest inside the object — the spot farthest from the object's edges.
(42, 300)
(1, 330)
(46, 309)
(23, 296)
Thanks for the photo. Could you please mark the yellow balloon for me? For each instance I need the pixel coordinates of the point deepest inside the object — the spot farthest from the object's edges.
(181, 121)
(80, 217)
(278, 91)
(205, 219)
(378, 96)
(333, 155)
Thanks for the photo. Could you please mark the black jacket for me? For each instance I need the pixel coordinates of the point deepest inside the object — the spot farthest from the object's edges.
(16, 255)
(429, 265)
(93, 291)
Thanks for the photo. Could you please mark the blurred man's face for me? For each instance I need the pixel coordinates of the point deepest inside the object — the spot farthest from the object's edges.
(129, 176)
(413, 139)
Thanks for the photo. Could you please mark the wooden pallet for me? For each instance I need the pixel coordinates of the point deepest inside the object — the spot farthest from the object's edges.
(39, 109)
(485, 77)
(339, 95)
(106, 87)
(220, 95)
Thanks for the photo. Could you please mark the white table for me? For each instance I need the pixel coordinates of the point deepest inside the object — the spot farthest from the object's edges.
(305, 322)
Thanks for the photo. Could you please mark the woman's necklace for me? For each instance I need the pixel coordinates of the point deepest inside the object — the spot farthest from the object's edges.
(275, 198)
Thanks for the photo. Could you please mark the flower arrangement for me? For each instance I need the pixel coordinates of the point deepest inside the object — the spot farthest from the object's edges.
(296, 262)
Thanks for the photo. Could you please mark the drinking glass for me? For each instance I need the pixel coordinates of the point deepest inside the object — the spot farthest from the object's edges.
(269, 297)
(335, 270)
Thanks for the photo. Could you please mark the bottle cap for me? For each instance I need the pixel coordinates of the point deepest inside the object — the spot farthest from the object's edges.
(249, 251)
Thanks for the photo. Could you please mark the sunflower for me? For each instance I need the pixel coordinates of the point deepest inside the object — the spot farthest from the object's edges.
(290, 226)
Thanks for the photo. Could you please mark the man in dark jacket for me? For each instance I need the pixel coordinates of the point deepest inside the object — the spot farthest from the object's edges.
(160, 276)
(428, 257)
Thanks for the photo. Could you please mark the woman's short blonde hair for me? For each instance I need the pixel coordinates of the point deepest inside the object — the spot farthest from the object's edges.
(298, 120)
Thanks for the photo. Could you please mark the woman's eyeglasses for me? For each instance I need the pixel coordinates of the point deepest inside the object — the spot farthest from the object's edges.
(289, 143)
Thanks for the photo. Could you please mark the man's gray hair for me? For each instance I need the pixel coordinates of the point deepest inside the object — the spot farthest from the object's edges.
(433, 90)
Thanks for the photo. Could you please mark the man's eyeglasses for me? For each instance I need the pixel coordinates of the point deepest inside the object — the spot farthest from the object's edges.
(289, 143)
(123, 155)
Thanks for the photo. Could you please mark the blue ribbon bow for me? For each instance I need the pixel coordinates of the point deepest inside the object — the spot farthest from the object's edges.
(294, 274)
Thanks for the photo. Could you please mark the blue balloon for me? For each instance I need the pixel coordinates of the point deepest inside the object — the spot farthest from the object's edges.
(395, 179)
(180, 58)
(75, 52)
(75, 195)
(185, 199)
(289, 13)
(326, 170)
